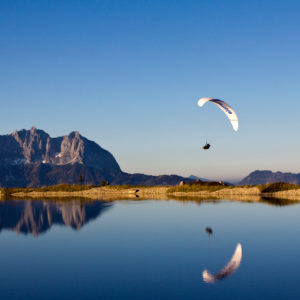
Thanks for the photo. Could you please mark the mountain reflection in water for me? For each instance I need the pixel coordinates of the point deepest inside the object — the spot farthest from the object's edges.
(37, 216)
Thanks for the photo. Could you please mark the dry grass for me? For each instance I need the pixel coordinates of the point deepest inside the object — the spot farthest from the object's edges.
(127, 186)
(51, 188)
(203, 186)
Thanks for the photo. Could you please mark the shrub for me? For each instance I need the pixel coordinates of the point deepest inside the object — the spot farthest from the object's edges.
(277, 187)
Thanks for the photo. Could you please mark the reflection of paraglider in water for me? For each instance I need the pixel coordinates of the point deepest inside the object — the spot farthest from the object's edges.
(208, 230)
(230, 268)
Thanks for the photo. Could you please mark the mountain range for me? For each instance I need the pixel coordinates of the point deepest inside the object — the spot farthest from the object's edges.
(31, 158)
(266, 176)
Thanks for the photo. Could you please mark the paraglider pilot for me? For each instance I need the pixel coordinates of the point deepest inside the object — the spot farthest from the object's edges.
(206, 146)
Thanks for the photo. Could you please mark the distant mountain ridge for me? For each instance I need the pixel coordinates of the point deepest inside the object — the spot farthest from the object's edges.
(266, 176)
(194, 177)
(33, 158)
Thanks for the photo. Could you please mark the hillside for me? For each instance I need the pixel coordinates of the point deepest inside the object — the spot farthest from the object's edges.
(264, 177)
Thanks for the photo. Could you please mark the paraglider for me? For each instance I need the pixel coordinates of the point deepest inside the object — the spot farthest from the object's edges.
(230, 268)
(225, 107)
(206, 146)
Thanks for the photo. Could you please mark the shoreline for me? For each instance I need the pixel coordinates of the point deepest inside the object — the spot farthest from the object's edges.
(160, 192)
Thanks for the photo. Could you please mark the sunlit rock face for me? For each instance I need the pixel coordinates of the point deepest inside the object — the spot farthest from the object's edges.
(36, 217)
(34, 145)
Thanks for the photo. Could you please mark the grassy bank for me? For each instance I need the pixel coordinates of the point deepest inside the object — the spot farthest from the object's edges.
(51, 188)
(204, 189)
(215, 186)
(195, 187)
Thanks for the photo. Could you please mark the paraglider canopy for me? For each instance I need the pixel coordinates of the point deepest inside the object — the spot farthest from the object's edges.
(225, 107)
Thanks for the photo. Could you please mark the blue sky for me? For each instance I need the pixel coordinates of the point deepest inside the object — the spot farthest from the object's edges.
(128, 74)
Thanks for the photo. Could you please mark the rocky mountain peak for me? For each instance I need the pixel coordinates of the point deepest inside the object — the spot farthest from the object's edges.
(35, 145)
(75, 134)
(72, 149)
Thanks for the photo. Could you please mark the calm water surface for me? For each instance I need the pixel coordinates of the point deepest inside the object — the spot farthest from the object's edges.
(147, 250)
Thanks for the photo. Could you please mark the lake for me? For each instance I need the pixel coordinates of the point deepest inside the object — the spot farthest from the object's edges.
(148, 249)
